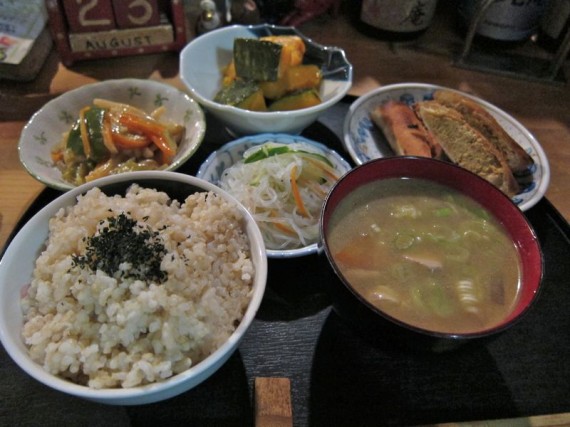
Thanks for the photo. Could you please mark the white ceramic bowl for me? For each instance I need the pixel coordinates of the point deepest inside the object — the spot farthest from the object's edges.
(364, 141)
(17, 264)
(204, 58)
(213, 167)
(45, 128)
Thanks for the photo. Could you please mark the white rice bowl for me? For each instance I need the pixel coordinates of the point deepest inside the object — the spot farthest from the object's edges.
(141, 331)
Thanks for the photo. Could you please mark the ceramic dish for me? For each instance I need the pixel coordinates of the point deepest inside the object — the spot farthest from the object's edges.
(364, 141)
(46, 127)
(18, 262)
(204, 58)
(213, 167)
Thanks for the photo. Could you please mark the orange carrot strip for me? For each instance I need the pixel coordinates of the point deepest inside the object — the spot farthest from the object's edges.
(281, 226)
(130, 141)
(162, 143)
(296, 193)
(83, 131)
(284, 228)
(56, 156)
(157, 132)
(102, 169)
(139, 124)
(362, 252)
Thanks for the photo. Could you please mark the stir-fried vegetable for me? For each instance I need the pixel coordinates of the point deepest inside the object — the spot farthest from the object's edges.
(110, 137)
(283, 186)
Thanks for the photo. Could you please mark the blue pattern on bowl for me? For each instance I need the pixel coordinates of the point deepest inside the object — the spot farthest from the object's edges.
(364, 141)
(217, 162)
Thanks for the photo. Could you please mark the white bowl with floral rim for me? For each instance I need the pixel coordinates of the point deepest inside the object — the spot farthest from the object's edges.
(46, 127)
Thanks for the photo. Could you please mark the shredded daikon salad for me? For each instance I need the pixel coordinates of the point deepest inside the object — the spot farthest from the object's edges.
(283, 186)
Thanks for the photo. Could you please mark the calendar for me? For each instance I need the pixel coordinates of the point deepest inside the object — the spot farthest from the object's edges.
(90, 29)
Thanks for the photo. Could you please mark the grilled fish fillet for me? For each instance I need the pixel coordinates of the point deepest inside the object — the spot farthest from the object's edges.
(405, 133)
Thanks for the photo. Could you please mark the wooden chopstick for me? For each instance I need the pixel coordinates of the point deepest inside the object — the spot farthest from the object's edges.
(273, 402)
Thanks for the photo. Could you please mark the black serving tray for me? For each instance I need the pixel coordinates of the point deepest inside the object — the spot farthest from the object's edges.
(337, 377)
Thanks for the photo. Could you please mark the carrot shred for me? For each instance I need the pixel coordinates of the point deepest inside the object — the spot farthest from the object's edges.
(328, 171)
(137, 124)
(280, 225)
(155, 131)
(83, 132)
(102, 169)
(284, 228)
(296, 193)
(130, 141)
(162, 143)
(361, 252)
(56, 156)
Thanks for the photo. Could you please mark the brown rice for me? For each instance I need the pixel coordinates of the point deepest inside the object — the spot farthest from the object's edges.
(112, 330)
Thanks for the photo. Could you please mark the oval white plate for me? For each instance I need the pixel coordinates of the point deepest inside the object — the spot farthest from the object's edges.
(364, 141)
(45, 128)
(217, 162)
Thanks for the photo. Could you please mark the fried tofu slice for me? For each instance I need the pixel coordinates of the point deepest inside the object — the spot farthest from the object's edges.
(480, 119)
(466, 146)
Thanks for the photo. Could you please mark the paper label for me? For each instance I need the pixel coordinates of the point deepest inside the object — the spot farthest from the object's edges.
(398, 15)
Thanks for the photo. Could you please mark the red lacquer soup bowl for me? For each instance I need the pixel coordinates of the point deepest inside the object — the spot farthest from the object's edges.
(382, 324)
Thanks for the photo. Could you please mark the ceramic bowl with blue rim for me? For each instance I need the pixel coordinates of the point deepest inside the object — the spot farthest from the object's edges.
(215, 165)
(46, 127)
(364, 141)
(203, 60)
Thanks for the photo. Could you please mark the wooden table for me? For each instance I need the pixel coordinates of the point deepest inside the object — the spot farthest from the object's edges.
(541, 107)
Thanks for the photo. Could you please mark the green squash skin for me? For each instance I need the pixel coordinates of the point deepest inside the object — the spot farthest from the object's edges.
(289, 102)
(257, 59)
(236, 92)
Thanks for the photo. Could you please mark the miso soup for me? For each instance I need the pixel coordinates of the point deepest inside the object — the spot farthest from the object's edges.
(426, 254)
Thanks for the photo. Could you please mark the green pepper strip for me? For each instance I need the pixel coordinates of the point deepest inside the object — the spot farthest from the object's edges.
(93, 120)
(265, 152)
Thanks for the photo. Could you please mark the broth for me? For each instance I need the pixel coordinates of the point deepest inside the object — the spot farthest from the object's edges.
(426, 255)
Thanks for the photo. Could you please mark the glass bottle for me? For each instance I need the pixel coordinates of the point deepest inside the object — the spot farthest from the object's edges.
(509, 21)
(554, 25)
(394, 20)
(209, 18)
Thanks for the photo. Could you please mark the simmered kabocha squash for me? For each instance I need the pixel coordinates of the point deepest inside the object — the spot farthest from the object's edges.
(229, 74)
(303, 77)
(267, 58)
(242, 94)
(295, 78)
(297, 100)
(292, 52)
(257, 59)
(266, 70)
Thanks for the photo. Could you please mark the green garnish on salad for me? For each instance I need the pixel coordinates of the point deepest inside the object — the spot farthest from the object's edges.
(273, 149)
(283, 186)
